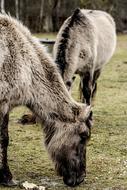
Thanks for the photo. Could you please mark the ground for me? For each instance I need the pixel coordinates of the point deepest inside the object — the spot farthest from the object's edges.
(107, 149)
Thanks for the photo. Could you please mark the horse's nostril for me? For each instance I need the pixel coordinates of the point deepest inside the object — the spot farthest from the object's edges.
(70, 181)
(80, 180)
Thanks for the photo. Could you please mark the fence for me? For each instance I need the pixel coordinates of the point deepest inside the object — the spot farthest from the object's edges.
(48, 43)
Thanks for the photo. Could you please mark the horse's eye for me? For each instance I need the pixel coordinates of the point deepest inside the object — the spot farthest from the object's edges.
(68, 83)
(84, 135)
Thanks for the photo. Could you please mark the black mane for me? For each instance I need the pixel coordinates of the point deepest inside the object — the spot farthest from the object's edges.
(61, 54)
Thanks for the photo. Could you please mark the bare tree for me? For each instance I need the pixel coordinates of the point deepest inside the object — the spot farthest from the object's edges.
(49, 15)
(17, 9)
(2, 6)
(41, 9)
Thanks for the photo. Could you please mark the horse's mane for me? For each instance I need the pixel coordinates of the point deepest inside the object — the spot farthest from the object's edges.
(61, 54)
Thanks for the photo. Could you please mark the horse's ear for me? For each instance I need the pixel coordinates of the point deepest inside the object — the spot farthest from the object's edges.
(85, 112)
(81, 112)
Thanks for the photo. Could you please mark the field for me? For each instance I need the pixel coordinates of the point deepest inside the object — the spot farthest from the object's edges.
(107, 149)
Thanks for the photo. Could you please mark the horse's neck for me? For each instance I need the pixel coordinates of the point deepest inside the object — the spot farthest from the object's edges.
(72, 58)
(50, 98)
(50, 105)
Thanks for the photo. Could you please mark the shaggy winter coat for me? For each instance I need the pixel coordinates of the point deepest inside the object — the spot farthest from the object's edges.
(28, 76)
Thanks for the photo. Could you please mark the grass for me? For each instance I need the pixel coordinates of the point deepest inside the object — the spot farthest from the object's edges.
(46, 36)
(107, 149)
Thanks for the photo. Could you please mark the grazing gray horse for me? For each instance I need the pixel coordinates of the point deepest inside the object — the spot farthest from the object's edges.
(85, 43)
(29, 77)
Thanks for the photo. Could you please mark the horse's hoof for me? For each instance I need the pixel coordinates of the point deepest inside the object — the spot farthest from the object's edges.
(27, 119)
(10, 183)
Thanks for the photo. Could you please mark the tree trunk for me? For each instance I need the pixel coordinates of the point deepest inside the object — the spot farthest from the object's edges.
(41, 9)
(17, 9)
(49, 15)
(2, 6)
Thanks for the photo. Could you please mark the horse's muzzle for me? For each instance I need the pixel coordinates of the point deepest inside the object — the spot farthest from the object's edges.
(73, 180)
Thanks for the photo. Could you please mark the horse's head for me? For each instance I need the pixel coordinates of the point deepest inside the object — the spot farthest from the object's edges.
(67, 147)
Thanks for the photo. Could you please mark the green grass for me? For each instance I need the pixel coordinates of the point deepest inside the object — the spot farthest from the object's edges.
(107, 149)
(46, 36)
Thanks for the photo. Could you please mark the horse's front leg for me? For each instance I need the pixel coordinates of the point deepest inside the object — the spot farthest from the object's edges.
(86, 87)
(5, 174)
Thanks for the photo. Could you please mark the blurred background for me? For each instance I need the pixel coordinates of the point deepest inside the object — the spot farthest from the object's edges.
(48, 15)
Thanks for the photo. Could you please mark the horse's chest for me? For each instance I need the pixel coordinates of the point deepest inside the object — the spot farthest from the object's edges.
(82, 70)
(83, 66)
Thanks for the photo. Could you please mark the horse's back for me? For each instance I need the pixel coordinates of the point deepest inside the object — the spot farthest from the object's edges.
(87, 35)
(105, 34)
(98, 14)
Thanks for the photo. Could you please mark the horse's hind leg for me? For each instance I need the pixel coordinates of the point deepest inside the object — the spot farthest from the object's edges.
(5, 174)
(28, 119)
(94, 83)
(86, 87)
